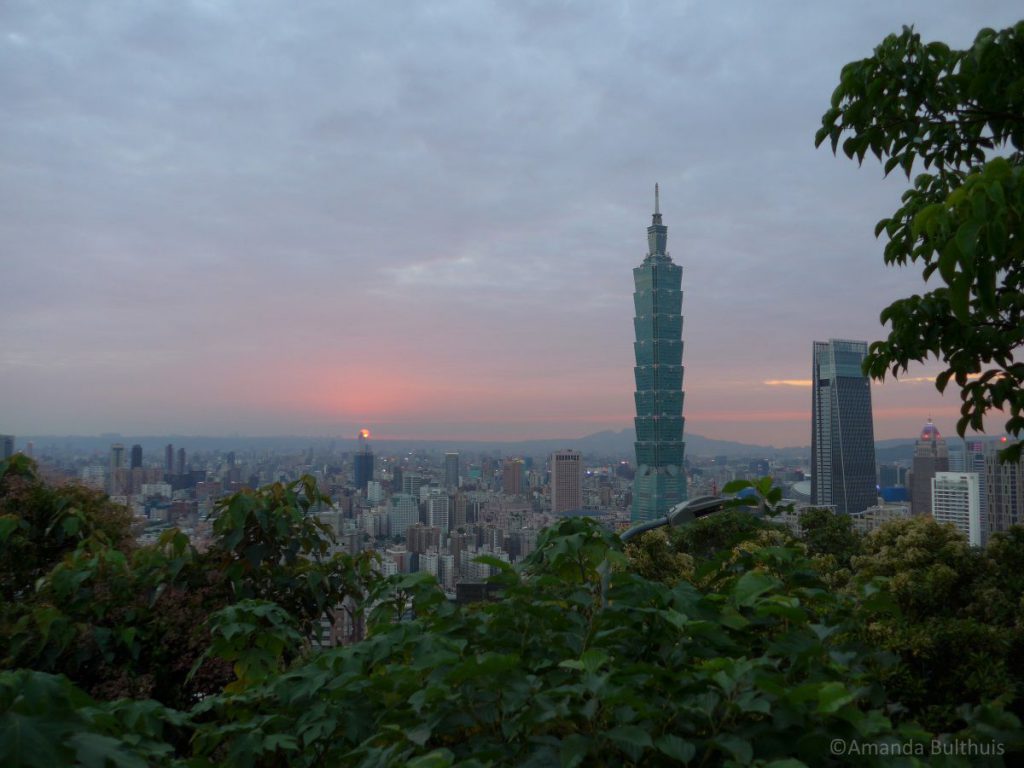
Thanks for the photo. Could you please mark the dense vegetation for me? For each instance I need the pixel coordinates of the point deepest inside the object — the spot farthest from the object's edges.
(721, 643)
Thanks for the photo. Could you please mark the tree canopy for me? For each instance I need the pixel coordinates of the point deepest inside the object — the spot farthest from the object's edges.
(717, 644)
(957, 117)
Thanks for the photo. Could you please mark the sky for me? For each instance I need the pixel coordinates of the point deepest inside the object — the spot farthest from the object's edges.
(267, 218)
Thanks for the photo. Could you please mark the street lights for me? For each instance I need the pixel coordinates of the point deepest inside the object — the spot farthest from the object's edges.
(681, 514)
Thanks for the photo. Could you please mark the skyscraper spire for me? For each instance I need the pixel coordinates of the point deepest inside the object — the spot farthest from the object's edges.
(657, 233)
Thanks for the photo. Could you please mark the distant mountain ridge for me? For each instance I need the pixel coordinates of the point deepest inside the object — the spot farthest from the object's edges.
(605, 444)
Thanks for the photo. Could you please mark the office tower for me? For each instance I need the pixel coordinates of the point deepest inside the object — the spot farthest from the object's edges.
(439, 511)
(451, 471)
(958, 457)
(116, 456)
(459, 508)
(512, 477)
(116, 476)
(1002, 490)
(362, 462)
(421, 538)
(403, 512)
(374, 492)
(6, 446)
(180, 468)
(888, 475)
(931, 455)
(842, 433)
(660, 482)
(136, 456)
(566, 481)
(955, 500)
(412, 482)
(169, 459)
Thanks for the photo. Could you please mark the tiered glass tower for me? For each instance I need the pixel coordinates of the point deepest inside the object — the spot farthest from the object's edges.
(842, 433)
(660, 481)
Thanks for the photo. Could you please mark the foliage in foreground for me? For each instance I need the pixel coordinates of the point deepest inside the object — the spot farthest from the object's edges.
(952, 615)
(960, 114)
(748, 659)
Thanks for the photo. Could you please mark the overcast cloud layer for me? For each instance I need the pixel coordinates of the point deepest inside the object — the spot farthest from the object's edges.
(274, 217)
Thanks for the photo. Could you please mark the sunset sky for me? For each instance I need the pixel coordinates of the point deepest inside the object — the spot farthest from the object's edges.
(304, 218)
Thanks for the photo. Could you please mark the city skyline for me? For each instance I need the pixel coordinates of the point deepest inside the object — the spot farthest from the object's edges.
(246, 219)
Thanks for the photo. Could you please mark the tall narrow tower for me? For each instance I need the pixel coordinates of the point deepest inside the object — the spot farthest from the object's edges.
(931, 455)
(842, 431)
(660, 480)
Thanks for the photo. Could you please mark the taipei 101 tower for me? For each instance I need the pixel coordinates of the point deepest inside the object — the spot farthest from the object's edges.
(660, 481)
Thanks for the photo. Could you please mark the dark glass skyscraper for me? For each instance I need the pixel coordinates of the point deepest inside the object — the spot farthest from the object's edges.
(660, 481)
(362, 462)
(842, 432)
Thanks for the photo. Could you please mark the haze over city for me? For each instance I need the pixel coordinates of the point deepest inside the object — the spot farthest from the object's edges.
(304, 219)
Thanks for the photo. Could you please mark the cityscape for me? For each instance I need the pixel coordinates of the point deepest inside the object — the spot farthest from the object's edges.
(436, 511)
(349, 418)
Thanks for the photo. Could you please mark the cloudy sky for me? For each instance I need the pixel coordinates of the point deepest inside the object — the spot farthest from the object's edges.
(302, 218)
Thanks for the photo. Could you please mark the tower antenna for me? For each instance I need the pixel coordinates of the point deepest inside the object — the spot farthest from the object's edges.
(657, 202)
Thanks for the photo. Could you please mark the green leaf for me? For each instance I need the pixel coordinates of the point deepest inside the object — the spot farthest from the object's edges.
(750, 585)
(96, 751)
(419, 734)
(8, 524)
(960, 297)
(833, 696)
(632, 739)
(574, 749)
(678, 749)
(439, 758)
(967, 239)
(739, 748)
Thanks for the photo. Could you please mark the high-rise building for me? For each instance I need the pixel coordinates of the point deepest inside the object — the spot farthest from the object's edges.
(842, 432)
(412, 482)
(362, 462)
(1002, 490)
(439, 511)
(374, 492)
(566, 481)
(403, 512)
(931, 455)
(888, 475)
(660, 482)
(181, 464)
(136, 456)
(169, 459)
(512, 477)
(6, 446)
(116, 479)
(451, 471)
(421, 538)
(116, 456)
(955, 500)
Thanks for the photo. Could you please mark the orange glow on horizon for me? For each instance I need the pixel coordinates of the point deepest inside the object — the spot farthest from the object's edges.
(364, 433)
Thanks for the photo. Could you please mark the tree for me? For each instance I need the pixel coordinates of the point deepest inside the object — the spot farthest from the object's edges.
(40, 524)
(77, 597)
(960, 115)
